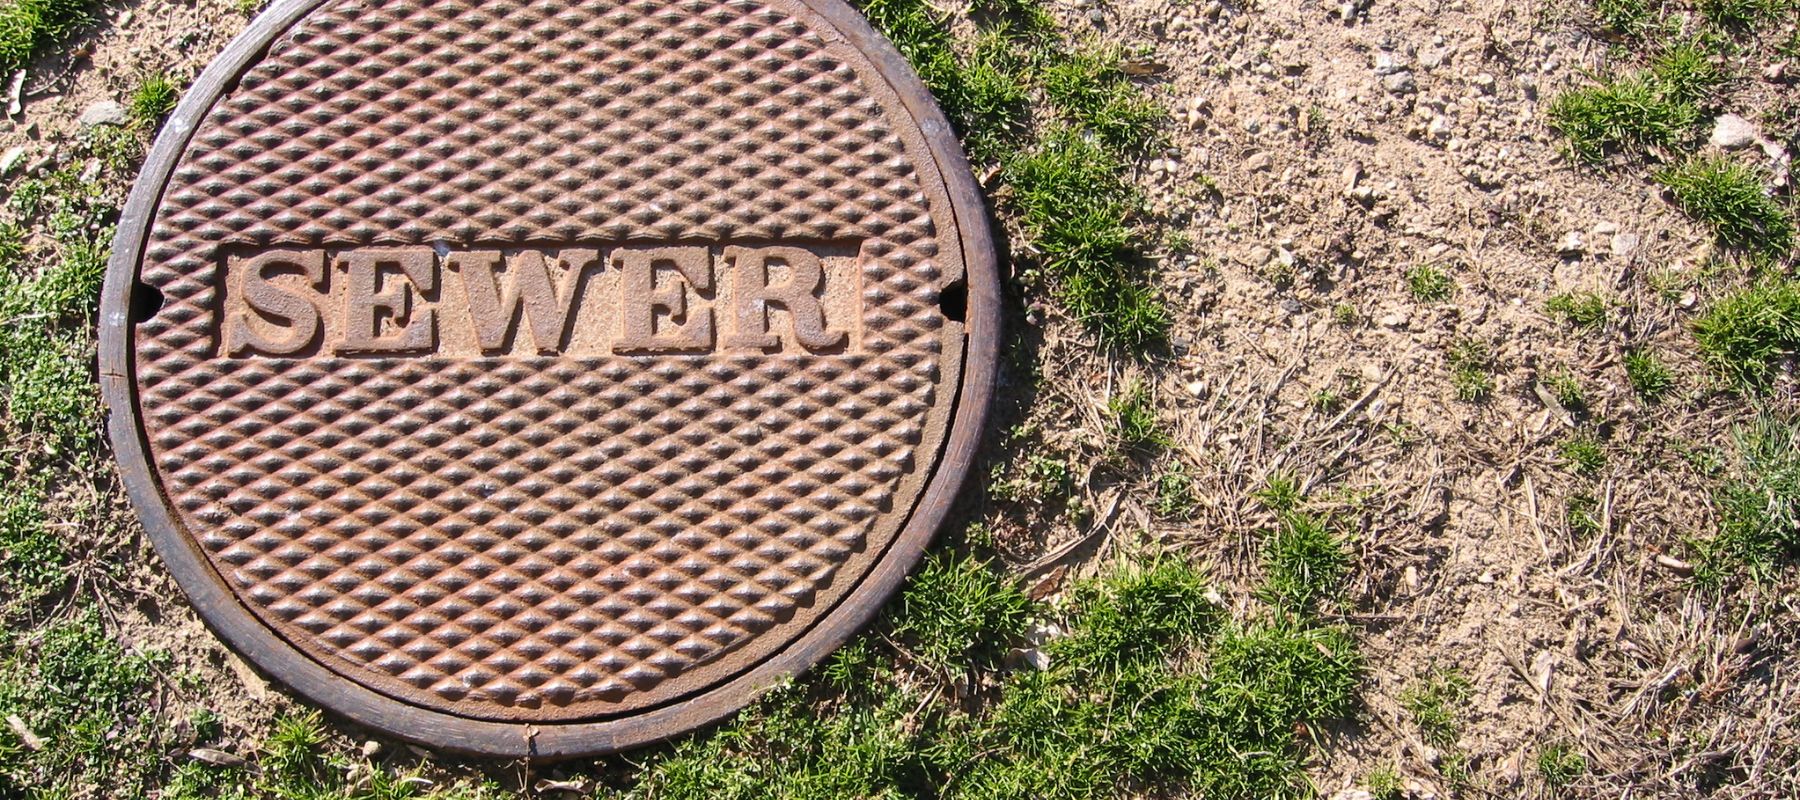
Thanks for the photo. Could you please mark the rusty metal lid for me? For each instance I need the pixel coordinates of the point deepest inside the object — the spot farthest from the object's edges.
(544, 378)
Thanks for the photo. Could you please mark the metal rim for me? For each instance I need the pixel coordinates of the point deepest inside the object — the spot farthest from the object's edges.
(226, 615)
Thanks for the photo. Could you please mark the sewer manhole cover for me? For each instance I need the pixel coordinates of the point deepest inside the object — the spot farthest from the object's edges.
(537, 377)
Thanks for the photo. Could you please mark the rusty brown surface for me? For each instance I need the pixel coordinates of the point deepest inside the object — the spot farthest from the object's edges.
(546, 362)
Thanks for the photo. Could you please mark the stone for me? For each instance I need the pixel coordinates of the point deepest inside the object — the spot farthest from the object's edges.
(1401, 82)
(1732, 132)
(102, 112)
(1572, 244)
(1624, 243)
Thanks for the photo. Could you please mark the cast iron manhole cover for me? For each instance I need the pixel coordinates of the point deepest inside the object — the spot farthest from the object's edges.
(543, 377)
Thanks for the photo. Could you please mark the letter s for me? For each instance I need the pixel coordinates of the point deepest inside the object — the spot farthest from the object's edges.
(275, 305)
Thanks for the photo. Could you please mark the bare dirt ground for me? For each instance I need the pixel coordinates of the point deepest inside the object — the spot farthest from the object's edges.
(1318, 152)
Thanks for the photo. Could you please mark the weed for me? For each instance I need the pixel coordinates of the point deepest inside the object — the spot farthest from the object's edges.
(1175, 494)
(1648, 375)
(1303, 563)
(72, 685)
(1747, 333)
(1039, 477)
(30, 557)
(1434, 702)
(1634, 113)
(1728, 197)
(955, 604)
(1758, 505)
(153, 99)
(1428, 284)
(1345, 315)
(1470, 370)
(1280, 493)
(1581, 309)
(28, 27)
(1131, 419)
(1582, 453)
(1581, 512)
(1383, 783)
(1560, 764)
(1567, 390)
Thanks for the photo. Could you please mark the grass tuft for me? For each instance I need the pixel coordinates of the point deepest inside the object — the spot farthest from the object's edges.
(1435, 702)
(953, 605)
(1581, 309)
(1471, 370)
(1304, 564)
(1073, 206)
(1758, 506)
(1131, 419)
(29, 27)
(1560, 764)
(1582, 453)
(1648, 375)
(1746, 334)
(1728, 197)
(1630, 114)
(1429, 284)
(153, 99)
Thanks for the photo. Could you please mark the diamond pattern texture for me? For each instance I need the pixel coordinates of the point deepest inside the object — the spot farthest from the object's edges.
(549, 538)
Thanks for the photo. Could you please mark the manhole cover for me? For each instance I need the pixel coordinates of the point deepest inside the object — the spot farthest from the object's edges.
(537, 377)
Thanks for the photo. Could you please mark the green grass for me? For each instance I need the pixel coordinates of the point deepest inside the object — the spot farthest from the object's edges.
(1151, 691)
(1687, 73)
(1629, 114)
(1728, 197)
(29, 27)
(1566, 388)
(297, 762)
(1744, 15)
(1581, 512)
(1471, 370)
(1648, 375)
(1628, 18)
(1304, 563)
(1758, 506)
(954, 605)
(153, 99)
(1582, 309)
(1429, 284)
(1560, 764)
(1435, 703)
(1280, 492)
(1074, 208)
(1748, 333)
(1582, 453)
(1036, 477)
(1064, 123)
(1093, 93)
(1383, 783)
(1131, 419)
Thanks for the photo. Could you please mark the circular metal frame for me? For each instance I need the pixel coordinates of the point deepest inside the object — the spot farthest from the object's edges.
(225, 613)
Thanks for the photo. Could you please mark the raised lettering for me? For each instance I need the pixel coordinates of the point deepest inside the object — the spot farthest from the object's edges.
(548, 309)
(642, 301)
(752, 294)
(366, 304)
(276, 306)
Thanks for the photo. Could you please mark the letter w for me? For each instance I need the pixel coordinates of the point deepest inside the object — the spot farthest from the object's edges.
(548, 309)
